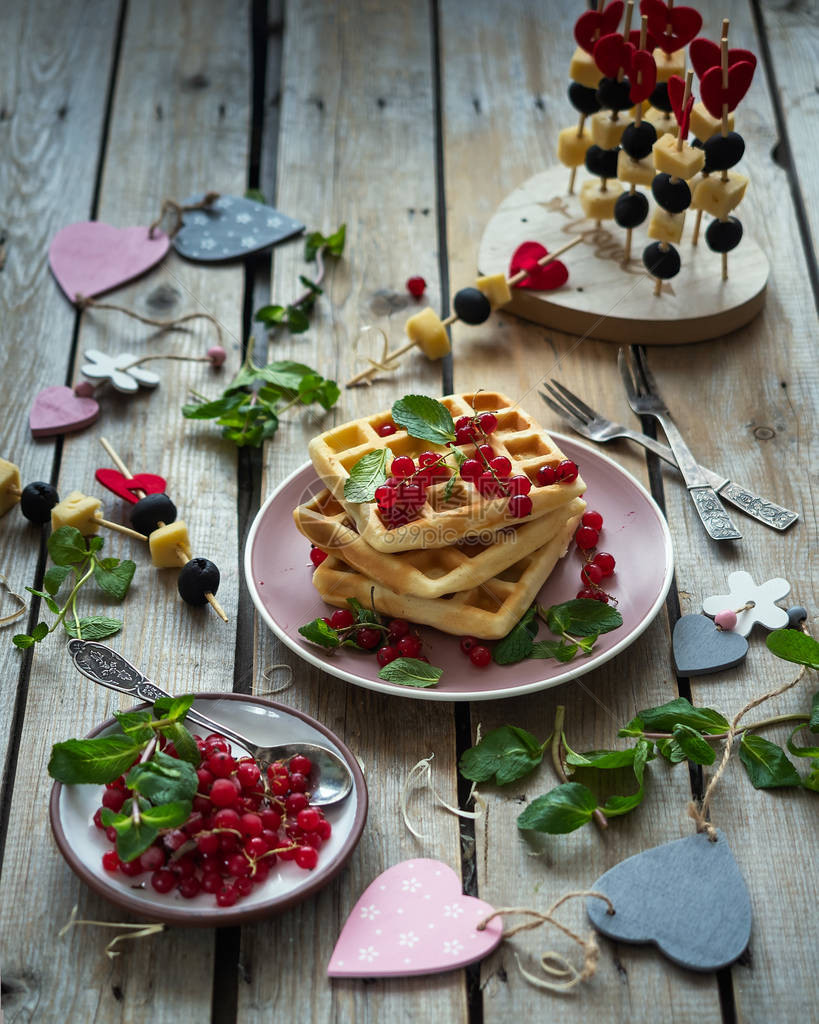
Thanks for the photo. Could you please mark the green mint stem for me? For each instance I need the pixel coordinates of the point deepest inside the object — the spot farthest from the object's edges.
(746, 728)
(558, 739)
(72, 598)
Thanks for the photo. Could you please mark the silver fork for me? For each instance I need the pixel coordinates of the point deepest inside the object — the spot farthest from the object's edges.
(645, 400)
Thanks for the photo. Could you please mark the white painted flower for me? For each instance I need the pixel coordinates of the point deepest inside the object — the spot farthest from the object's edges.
(410, 885)
(249, 241)
(452, 947)
(120, 370)
(225, 202)
(368, 953)
(196, 218)
(207, 243)
(453, 910)
(407, 939)
(243, 218)
(370, 913)
(274, 222)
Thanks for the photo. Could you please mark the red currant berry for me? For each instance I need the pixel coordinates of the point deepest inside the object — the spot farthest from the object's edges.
(368, 638)
(416, 286)
(113, 799)
(301, 764)
(132, 868)
(386, 429)
(221, 765)
(298, 783)
(486, 452)
(227, 897)
(317, 556)
(398, 627)
(244, 886)
(271, 819)
(306, 857)
(488, 422)
(384, 655)
(463, 435)
(592, 519)
(223, 793)
(296, 802)
(428, 459)
(152, 859)
(163, 881)
(546, 476)
(402, 467)
(238, 865)
(189, 887)
(207, 843)
(467, 643)
(471, 470)
(520, 506)
(98, 818)
(216, 742)
(591, 574)
(593, 595)
(308, 819)
(586, 538)
(605, 561)
(251, 825)
(501, 466)
(385, 496)
(227, 818)
(248, 775)
(342, 618)
(409, 646)
(519, 484)
(567, 471)
(211, 882)
(480, 656)
(110, 860)
(463, 423)
(325, 829)
(205, 779)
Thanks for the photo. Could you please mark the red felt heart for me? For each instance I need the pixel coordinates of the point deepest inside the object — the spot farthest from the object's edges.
(673, 29)
(634, 39)
(705, 54)
(538, 279)
(713, 94)
(58, 410)
(643, 76)
(124, 486)
(611, 53)
(676, 92)
(592, 25)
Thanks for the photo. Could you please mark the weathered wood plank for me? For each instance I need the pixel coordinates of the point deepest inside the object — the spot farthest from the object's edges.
(355, 145)
(179, 124)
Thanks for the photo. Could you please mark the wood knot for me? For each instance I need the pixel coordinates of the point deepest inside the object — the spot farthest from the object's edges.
(764, 433)
(197, 81)
(163, 298)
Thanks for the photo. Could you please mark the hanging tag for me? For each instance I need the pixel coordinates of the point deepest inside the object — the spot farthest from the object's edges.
(231, 228)
(89, 258)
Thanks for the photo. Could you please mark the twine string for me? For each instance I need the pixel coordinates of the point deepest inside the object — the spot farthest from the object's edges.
(134, 931)
(267, 675)
(170, 206)
(7, 620)
(420, 776)
(83, 302)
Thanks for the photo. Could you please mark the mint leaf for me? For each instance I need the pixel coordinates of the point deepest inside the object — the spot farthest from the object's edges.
(811, 781)
(794, 645)
(135, 724)
(801, 751)
(361, 613)
(55, 577)
(424, 418)
(411, 672)
(98, 760)
(133, 838)
(23, 641)
(767, 764)
(256, 196)
(334, 243)
(564, 809)
(508, 753)
(212, 410)
(680, 711)
(52, 604)
(813, 724)
(183, 742)
(603, 759)
(615, 806)
(517, 644)
(582, 617)
(318, 632)
(40, 632)
(169, 815)
(643, 752)
(94, 627)
(671, 750)
(163, 779)
(297, 321)
(66, 546)
(174, 708)
(116, 579)
(691, 743)
(635, 727)
(366, 475)
(271, 314)
(554, 649)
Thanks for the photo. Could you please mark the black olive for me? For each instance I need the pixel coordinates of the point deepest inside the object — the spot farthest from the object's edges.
(196, 578)
(150, 511)
(724, 151)
(673, 195)
(723, 235)
(638, 139)
(583, 99)
(631, 209)
(659, 97)
(37, 501)
(614, 95)
(471, 305)
(602, 162)
(662, 263)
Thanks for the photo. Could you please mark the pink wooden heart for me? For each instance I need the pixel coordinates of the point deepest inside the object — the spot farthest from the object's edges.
(124, 487)
(539, 279)
(590, 26)
(713, 94)
(705, 54)
(89, 258)
(58, 410)
(413, 919)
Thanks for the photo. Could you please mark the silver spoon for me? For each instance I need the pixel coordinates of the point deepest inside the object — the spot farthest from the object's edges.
(331, 779)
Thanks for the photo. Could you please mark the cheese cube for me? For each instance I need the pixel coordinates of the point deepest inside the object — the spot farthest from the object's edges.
(495, 288)
(683, 163)
(605, 132)
(9, 484)
(635, 172)
(571, 147)
(597, 204)
(166, 544)
(718, 197)
(426, 330)
(665, 226)
(669, 64)
(703, 125)
(693, 185)
(662, 121)
(77, 510)
(583, 69)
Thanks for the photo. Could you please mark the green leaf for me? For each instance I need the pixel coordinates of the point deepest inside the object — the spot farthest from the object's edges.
(116, 580)
(801, 751)
(310, 285)
(508, 753)
(98, 760)
(297, 321)
(212, 410)
(169, 815)
(273, 314)
(680, 711)
(811, 780)
(635, 727)
(174, 708)
(55, 577)
(133, 838)
(40, 632)
(449, 487)
(554, 649)
(794, 645)
(23, 641)
(66, 546)
(517, 644)
(361, 613)
(616, 806)
(184, 743)
(603, 759)
(691, 743)
(564, 809)
(411, 672)
(52, 604)
(135, 724)
(334, 243)
(366, 475)
(95, 543)
(284, 374)
(256, 196)
(814, 713)
(424, 418)
(671, 750)
(163, 779)
(767, 764)
(582, 617)
(318, 632)
(643, 752)
(93, 627)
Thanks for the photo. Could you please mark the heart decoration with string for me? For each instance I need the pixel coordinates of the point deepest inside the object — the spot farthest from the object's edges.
(706, 54)
(230, 227)
(90, 257)
(590, 26)
(676, 94)
(714, 96)
(541, 279)
(672, 27)
(612, 54)
(58, 410)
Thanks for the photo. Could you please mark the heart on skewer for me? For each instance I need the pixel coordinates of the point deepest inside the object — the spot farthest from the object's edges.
(592, 25)
(705, 54)
(676, 94)
(58, 410)
(613, 54)
(672, 28)
(90, 257)
(634, 39)
(713, 94)
(538, 279)
(124, 486)
(643, 76)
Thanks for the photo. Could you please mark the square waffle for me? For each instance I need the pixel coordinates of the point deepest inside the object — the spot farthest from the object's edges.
(443, 521)
(487, 611)
(325, 522)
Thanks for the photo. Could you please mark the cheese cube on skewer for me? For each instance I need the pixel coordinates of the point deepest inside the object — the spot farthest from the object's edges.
(718, 197)
(605, 132)
(166, 543)
(663, 122)
(79, 511)
(571, 147)
(9, 483)
(665, 226)
(583, 69)
(669, 64)
(683, 163)
(703, 125)
(597, 204)
(426, 331)
(495, 288)
(635, 172)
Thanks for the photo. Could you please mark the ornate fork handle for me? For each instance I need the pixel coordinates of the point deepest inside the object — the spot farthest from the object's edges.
(104, 666)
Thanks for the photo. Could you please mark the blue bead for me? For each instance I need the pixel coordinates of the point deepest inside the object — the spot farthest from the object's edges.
(796, 616)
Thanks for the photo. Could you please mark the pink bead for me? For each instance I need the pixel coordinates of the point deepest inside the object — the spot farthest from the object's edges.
(726, 619)
(217, 355)
(84, 389)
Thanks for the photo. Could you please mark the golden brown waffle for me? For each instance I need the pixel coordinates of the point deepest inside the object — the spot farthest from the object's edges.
(443, 522)
(488, 611)
(326, 523)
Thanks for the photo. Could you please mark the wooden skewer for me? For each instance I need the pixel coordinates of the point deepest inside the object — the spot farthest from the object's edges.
(724, 127)
(180, 554)
(638, 112)
(686, 96)
(119, 529)
(453, 317)
(695, 237)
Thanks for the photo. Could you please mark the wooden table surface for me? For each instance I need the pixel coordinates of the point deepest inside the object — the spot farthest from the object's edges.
(409, 122)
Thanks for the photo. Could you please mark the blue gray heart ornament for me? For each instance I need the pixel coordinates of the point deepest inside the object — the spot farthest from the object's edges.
(700, 648)
(230, 228)
(688, 897)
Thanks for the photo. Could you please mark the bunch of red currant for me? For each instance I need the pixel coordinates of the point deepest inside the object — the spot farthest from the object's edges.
(402, 495)
(396, 640)
(242, 821)
(598, 564)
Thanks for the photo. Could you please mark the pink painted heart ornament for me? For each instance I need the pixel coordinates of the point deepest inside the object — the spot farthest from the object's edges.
(124, 487)
(58, 410)
(540, 279)
(89, 258)
(413, 919)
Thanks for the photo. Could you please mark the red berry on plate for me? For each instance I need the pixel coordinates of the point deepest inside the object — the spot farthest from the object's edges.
(317, 556)
(480, 656)
(409, 646)
(463, 435)
(519, 484)
(591, 574)
(386, 496)
(110, 860)
(308, 819)
(384, 655)
(567, 471)
(520, 506)
(486, 452)
(546, 476)
(488, 422)
(248, 774)
(306, 857)
(586, 538)
(471, 470)
(301, 764)
(402, 467)
(592, 519)
(342, 618)
(605, 561)
(227, 897)
(386, 429)
(398, 627)
(593, 595)
(467, 643)
(189, 887)
(501, 466)
(251, 825)
(416, 286)
(298, 783)
(368, 638)
(163, 881)
(223, 793)
(296, 802)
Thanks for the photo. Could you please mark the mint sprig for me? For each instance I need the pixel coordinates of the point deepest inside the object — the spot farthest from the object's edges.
(424, 418)
(577, 623)
(411, 672)
(368, 474)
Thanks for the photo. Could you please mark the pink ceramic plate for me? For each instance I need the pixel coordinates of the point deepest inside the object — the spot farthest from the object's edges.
(278, 573)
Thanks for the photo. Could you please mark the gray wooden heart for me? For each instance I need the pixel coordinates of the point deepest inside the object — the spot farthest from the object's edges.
(700, 648)
(687, 897)
(230, 228)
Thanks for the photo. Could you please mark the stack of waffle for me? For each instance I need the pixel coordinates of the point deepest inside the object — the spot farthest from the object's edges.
(463, 565)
